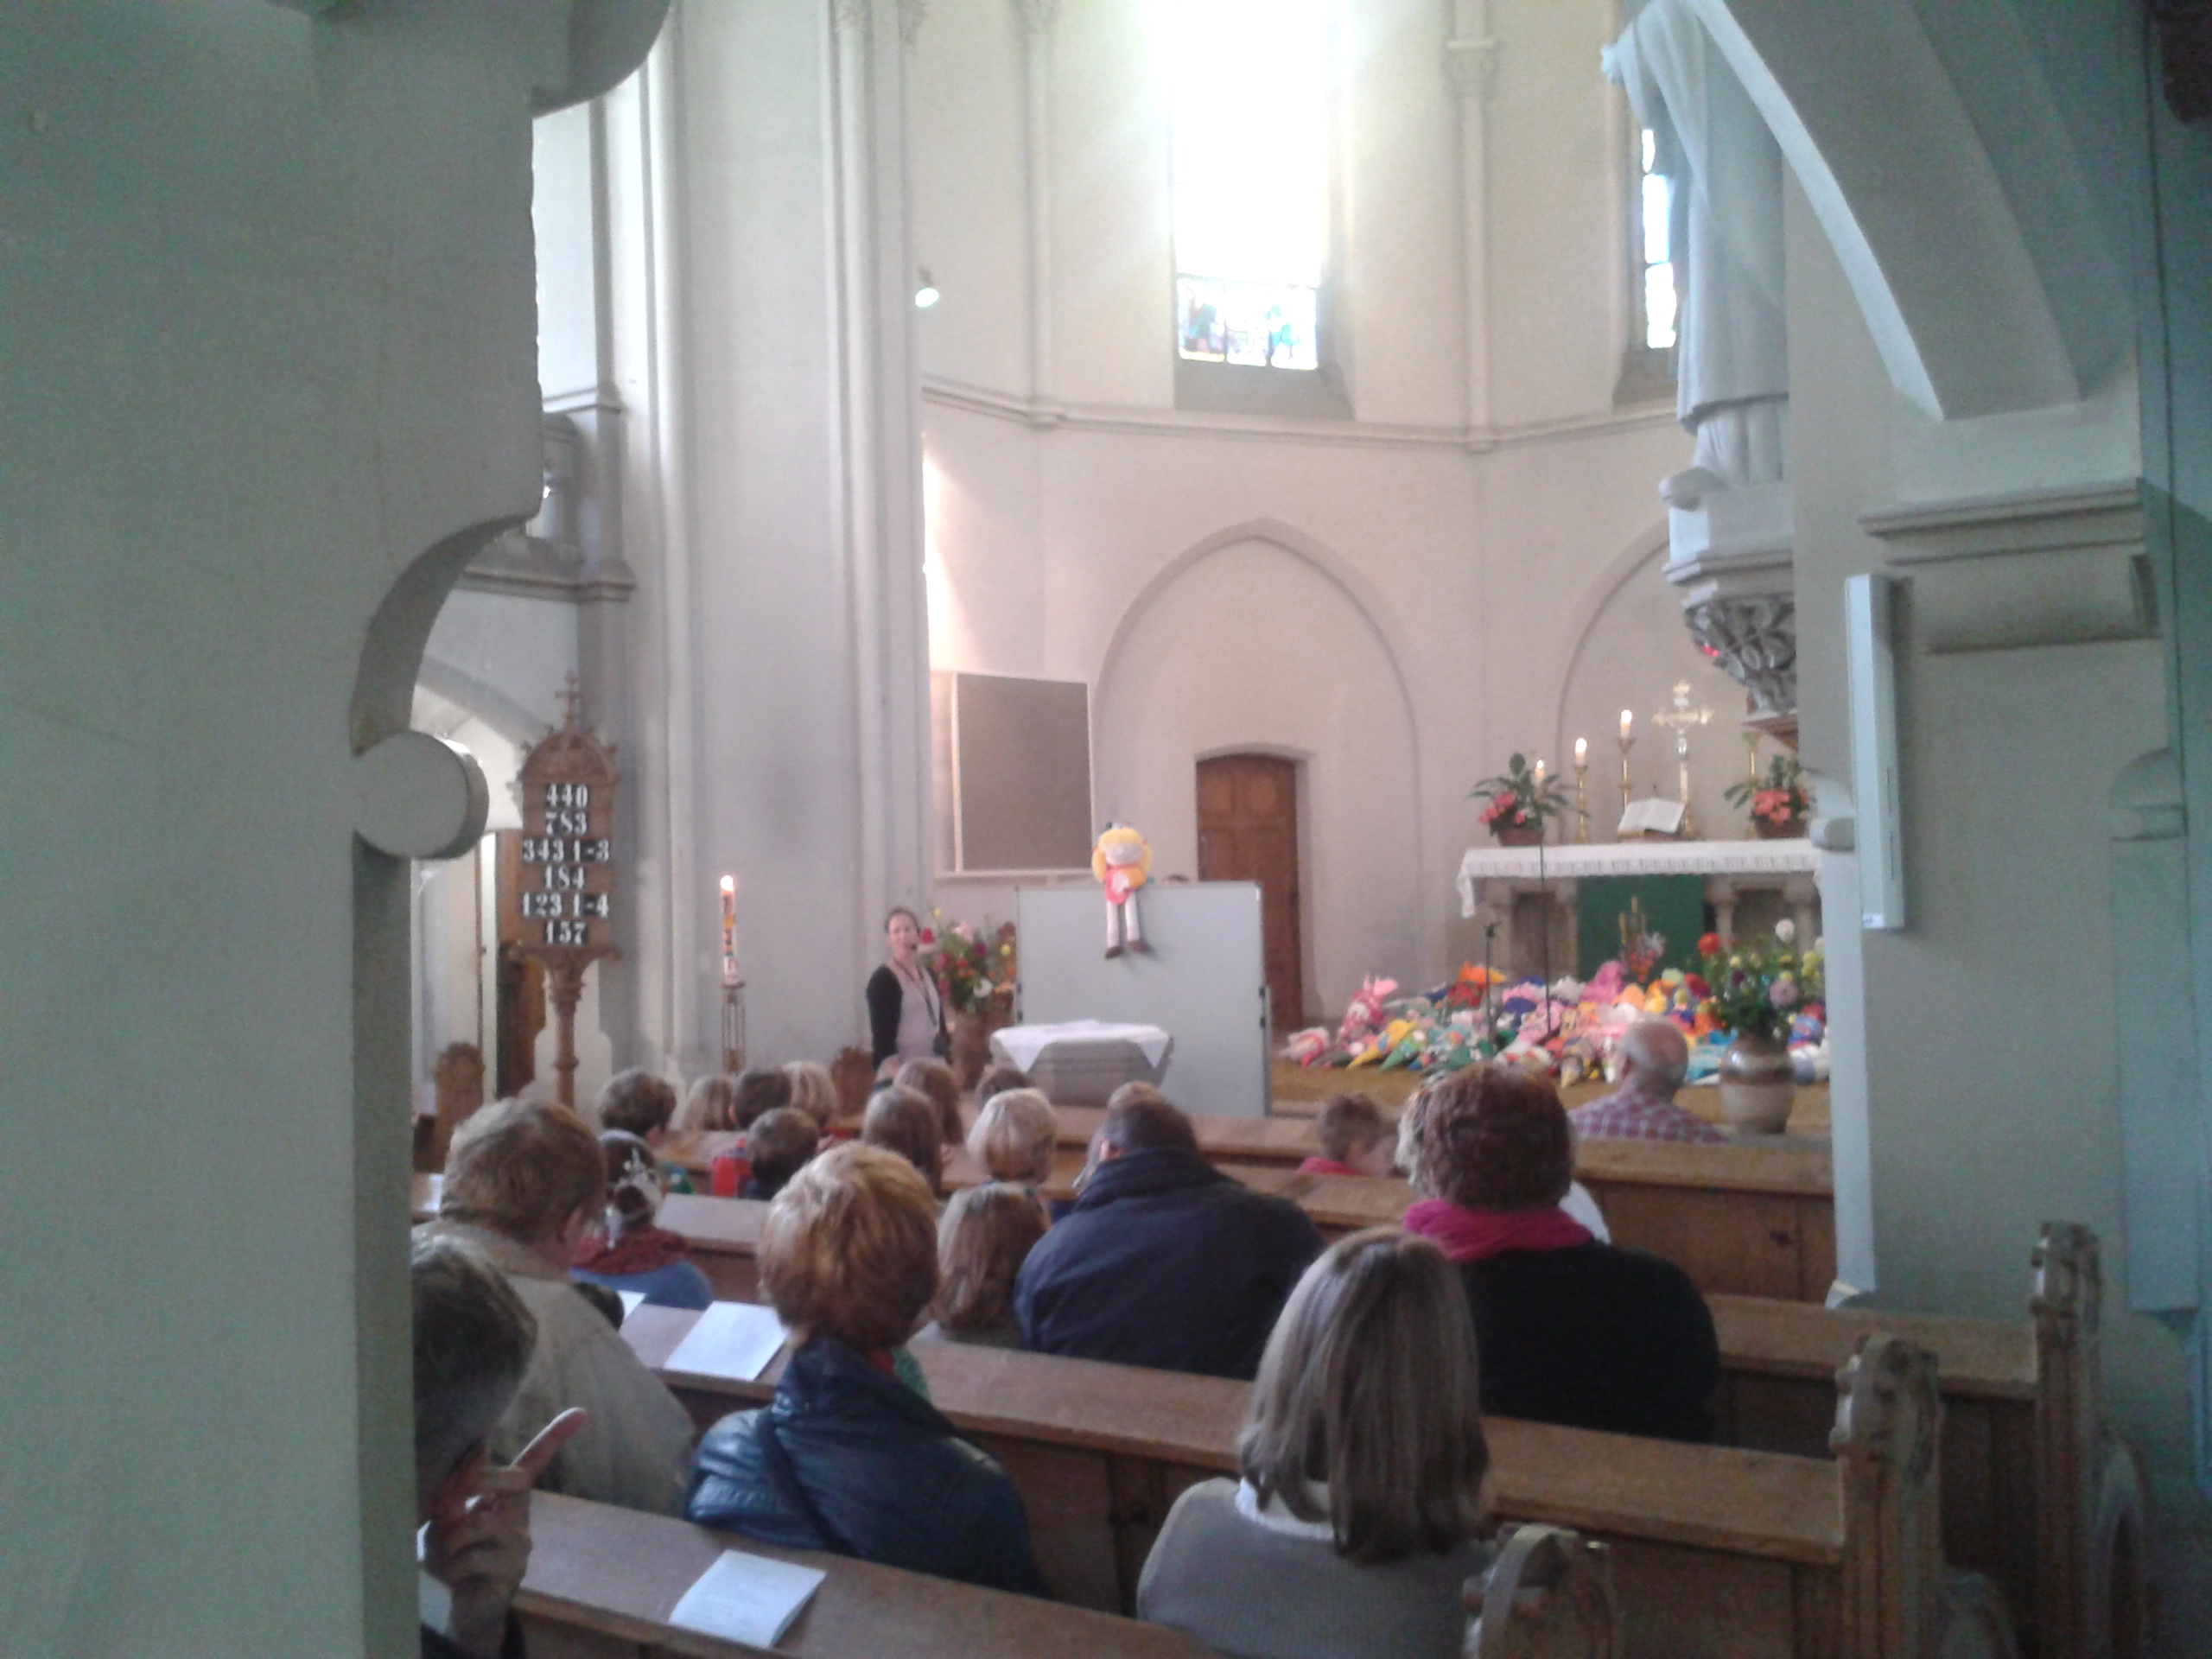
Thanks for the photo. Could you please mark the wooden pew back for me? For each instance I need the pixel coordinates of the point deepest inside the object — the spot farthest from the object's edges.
(1715, 1549)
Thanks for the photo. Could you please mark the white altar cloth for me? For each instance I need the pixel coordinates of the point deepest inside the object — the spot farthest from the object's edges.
(1574, 860)
(1023, 1044)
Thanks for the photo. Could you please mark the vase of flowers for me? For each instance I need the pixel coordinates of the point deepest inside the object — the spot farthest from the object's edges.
(1519, 802)
(1756, 992)
(975, 970)
(1776, 799)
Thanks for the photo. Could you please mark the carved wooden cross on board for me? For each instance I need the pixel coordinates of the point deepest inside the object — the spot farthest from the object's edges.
(572, 699)
(1680, 723)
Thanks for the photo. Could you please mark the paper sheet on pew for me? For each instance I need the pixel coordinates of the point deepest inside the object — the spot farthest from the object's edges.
(731, 1339)
(746, 1598)
(631, 1301)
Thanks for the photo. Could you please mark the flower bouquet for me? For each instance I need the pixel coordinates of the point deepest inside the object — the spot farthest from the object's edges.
(1757, 993)
(974, 967)
(1777, 801)
(1521, 802)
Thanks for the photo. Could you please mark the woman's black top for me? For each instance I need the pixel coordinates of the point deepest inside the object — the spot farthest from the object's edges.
(886, 996)
(1594, 1337)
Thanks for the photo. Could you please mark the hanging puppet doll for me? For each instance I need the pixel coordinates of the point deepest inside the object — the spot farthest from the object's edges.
(1121, 860)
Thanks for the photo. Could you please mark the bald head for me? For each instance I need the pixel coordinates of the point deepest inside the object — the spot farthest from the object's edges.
(1655, 1056)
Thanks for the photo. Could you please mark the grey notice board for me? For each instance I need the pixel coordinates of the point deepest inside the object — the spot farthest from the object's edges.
(1202, 980)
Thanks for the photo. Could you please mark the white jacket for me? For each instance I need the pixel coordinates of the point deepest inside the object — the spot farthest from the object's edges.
(636, 1451)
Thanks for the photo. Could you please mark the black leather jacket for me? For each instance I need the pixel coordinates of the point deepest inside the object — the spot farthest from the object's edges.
(850, 1459)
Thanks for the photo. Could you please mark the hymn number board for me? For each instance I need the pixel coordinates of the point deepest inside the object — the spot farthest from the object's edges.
(562, 892)
(570, 862)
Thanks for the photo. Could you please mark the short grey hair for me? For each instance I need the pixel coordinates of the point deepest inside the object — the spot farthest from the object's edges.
(1658, 1051)
(473, 1341)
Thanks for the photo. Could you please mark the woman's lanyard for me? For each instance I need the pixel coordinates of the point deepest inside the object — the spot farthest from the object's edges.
(923, 982)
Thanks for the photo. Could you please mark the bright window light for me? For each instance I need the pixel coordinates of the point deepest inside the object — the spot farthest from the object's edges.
(1654, 205)
(1249, 98)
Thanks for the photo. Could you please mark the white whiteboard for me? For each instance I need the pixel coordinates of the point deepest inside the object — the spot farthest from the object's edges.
(1203, 981)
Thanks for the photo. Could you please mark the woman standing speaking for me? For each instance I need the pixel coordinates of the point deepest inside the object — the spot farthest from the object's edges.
(905, 1014)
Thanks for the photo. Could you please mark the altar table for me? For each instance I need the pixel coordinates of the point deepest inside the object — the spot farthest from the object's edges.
(1491, 878)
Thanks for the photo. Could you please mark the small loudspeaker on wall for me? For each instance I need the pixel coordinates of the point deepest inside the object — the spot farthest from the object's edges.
(1869, 671)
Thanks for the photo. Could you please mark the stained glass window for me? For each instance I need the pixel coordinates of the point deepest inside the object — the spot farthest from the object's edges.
(1248, 87)
(1655, 247)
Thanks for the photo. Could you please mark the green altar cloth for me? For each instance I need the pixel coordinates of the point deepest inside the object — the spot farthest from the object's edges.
(1674, 906)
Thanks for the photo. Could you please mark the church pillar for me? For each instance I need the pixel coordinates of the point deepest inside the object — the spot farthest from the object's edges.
(1036, 17)
(1471, 59)
(779, 647)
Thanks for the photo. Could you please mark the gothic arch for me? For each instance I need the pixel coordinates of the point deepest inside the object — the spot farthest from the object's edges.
(1363, 596)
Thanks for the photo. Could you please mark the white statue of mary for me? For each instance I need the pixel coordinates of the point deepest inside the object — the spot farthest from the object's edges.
(1733, 359)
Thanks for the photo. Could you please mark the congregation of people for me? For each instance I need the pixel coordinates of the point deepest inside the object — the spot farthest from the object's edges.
(1361, 1510)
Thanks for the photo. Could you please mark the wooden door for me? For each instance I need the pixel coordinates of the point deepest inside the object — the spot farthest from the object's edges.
(1248, 832)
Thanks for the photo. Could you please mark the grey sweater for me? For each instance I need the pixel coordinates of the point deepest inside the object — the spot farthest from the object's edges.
(1251, 1591)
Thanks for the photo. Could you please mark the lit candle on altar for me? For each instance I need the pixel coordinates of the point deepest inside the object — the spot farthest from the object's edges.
(1628, 721)
(1582, 753)
(1540, 771)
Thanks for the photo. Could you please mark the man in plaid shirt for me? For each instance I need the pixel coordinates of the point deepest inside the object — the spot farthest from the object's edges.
(1654, 1058)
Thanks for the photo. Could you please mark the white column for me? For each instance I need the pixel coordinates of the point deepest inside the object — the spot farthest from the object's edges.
(1036, 148)
(1469, 57)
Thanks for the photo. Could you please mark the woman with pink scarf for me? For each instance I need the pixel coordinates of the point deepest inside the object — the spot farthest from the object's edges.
(1570, 1329)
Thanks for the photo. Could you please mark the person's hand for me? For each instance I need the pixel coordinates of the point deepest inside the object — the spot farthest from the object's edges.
(478, 1545)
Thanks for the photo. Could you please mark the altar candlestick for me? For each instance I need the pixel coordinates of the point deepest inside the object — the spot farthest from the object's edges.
(1628, 742)
(1581, 789)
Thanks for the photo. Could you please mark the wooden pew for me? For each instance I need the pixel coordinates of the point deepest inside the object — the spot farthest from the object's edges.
(1739, 1220)
(1716, 1550)
(602, 1582)
(2038, 1492)
(1744, 1219)
(2021, 1401)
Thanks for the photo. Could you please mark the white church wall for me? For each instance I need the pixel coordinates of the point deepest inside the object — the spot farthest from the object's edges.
(1486, 573)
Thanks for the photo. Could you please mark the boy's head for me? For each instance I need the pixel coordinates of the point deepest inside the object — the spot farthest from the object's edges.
(760, 1092)
(778, 1145)
(1353, 1131)
(638, 1101)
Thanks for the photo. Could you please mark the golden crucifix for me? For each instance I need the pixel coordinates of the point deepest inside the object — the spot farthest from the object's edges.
(1680, 723)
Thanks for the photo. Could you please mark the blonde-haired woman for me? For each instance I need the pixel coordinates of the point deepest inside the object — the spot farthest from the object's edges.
(813, 1091)
(711, 1105)
(1358, 1519)
(848, 1458)
(987, 1233)
(1015, 1137)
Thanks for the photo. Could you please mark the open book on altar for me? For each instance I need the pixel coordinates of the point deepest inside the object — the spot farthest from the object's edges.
(1653, 817)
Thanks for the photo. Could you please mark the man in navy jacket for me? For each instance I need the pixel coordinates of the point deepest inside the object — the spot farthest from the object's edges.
(1164, 1261)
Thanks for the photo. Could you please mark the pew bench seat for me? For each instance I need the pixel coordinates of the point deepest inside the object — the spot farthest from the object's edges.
(603, 1581)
